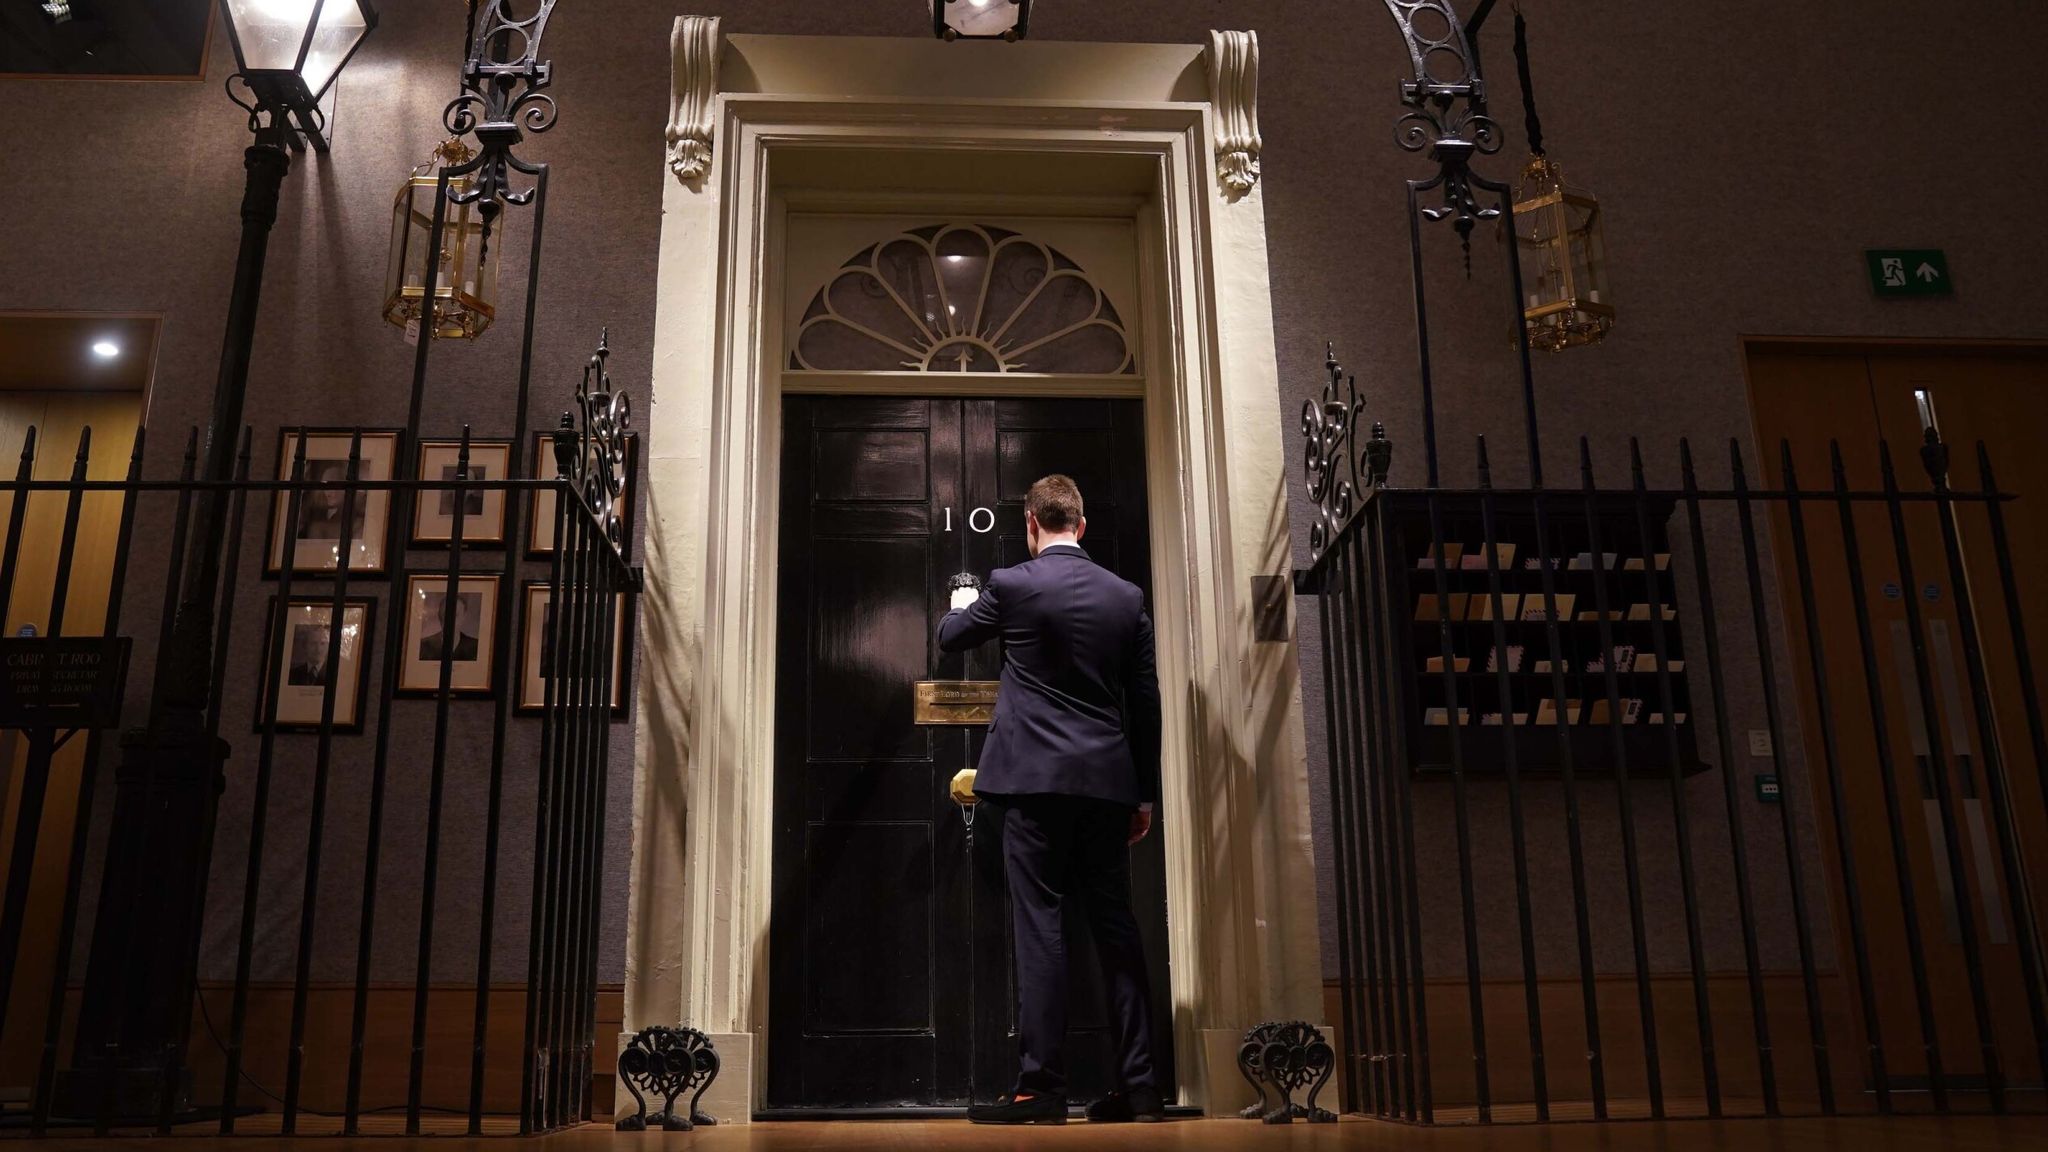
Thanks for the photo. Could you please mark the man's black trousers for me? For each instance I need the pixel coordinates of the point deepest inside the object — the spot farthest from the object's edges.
(1056, 850)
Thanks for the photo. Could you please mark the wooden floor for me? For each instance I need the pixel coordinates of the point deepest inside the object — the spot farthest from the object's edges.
(1860, 1134)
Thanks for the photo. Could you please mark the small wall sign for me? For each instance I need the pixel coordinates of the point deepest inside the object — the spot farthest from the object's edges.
(62, 681)
(1909, 272)
(1767, 788)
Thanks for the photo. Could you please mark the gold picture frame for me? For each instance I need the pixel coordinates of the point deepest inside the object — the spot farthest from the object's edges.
(300, 684)
(483, 522)
(535, 644)
(320, 529)
(472, 658)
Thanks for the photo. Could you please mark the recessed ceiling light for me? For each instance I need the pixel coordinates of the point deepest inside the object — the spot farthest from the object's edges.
(106, 349)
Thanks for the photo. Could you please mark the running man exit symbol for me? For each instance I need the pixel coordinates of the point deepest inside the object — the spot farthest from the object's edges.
(1909, 272)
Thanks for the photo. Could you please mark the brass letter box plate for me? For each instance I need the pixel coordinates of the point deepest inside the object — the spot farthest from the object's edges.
(966, 702)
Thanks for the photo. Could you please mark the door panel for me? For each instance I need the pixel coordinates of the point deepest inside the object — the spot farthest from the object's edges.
(859, 1011)
(890, 965)
(862, 928)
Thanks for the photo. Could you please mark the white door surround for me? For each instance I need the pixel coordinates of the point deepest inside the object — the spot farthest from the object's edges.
(1241, 891)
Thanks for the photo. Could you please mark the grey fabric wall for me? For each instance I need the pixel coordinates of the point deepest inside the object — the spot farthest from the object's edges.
(1746, 152)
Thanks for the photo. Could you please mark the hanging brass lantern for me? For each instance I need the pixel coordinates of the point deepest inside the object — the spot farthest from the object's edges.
(466, 284)
(1565, 302)
(1564, 261)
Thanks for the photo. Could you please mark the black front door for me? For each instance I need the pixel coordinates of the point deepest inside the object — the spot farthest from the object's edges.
(889, 955)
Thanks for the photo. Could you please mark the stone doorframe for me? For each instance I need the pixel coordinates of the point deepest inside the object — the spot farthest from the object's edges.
(1241, 899)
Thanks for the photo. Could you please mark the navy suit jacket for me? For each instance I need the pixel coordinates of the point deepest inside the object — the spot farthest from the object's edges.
(1078, 710)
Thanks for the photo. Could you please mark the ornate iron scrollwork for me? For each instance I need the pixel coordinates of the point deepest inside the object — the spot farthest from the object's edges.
(1287, 1057)
(501, 101)
(592, 457)
(667, 1062)
(1447, 116)
(1327, 428)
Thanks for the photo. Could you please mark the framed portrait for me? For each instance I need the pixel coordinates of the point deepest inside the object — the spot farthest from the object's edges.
(467, 645)
(483, 514)
(304, 652)
(540, 522)
(537, 650)
(320, 526)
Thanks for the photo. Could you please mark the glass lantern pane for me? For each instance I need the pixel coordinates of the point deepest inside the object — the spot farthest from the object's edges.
(271, 33)
(1579, 213)
(456, 240)
(1590, 259)
(1544, 273)
(416, 252)
(394, 261)
(980, 17)
(341, 25)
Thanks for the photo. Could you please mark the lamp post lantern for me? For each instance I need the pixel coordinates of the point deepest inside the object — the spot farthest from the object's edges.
(135, 1015)
(288, 52)
(980, 19)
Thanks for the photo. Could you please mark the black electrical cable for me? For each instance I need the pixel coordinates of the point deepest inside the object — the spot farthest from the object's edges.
(1530, 121)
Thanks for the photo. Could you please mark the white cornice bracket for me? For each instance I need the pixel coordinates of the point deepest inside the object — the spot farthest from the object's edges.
(1234, 92)
(694, 47)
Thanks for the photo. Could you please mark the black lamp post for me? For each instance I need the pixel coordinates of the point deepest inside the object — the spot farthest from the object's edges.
(136, 1011)
(289, 53)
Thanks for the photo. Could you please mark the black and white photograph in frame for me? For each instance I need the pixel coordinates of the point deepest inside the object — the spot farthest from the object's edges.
(321, 511)
(303, 671)
(483, 519)
(540, 536)
(537, 650)
(427, 637)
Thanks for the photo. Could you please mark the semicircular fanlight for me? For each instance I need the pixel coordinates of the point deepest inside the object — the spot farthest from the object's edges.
(962, 298)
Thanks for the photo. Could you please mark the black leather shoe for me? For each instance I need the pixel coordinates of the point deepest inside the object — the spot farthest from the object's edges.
(1010, 1110)
(1142, 1105)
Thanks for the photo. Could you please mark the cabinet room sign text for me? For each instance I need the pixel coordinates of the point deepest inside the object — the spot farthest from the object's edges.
(62, 681)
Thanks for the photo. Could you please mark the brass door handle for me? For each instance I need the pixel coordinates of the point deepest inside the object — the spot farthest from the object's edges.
(962, 788)
(962, 792)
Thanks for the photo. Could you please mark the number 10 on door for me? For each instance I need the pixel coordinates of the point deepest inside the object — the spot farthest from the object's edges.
(981, 521)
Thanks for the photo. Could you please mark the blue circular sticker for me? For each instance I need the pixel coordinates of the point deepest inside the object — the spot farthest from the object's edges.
(1891, 591)
(1932, 593)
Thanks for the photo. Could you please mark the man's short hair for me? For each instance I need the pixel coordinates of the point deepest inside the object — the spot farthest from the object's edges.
(1056, 501)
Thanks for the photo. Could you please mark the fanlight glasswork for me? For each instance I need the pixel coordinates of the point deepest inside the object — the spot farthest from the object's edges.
(962, 298)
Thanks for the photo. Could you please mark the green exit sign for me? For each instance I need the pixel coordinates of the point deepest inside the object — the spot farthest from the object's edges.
(1909, 272)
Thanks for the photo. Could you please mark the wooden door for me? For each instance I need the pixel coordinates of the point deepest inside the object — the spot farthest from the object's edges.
(59, 418)
(1861, 401)
(890, 974)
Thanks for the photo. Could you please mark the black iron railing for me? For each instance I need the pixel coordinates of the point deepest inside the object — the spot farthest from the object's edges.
(1509, 668)
(491, 712)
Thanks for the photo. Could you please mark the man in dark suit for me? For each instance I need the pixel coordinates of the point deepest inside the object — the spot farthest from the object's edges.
(464, 648)
(1072, 763)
